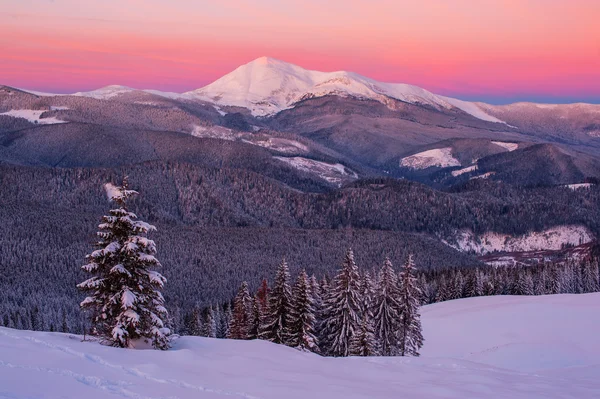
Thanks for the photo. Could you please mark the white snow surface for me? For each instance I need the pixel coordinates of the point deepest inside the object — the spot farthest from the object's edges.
(471, 109)
(281, 145)
(464, 170)
(578, 186)
(483, 176)
(33, 116)
(333, 173)
(487, 347)
(105, 93)
(266, 86)
(440, 157)
(550, 239)
(507, 146)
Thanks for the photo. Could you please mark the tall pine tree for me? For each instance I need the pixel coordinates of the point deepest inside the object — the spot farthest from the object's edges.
(239, 325)
(274, 327)
(411, 337)
(124, 293)
(364, 342)
(301, 320)
(342, 308)
(387, 310)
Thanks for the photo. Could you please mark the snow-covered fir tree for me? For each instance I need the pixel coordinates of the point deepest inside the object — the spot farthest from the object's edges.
(254, 320)
(458, 285)
(239, 325)
(443, 290)
(124, 297)
(274, 327)
(524, 283)
(387, 310)
(364, 342)
(473, 284)
(342, 308)
(590, 276)
(209, 323)
(301, 319)
(411, 337)
(194, 322)
(225, 319)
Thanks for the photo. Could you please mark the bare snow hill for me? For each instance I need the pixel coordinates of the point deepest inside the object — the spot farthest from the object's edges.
(487, 347)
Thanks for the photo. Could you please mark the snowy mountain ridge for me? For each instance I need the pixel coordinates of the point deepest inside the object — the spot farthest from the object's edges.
(266, 86)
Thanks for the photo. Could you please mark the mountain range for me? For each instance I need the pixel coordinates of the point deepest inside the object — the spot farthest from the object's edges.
(336, 126)
(273, 160)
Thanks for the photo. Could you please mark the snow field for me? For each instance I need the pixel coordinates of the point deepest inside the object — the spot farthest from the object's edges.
(486, 347)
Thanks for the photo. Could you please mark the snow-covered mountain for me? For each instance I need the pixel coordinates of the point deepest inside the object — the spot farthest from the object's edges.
(266, 86)
(486, 347)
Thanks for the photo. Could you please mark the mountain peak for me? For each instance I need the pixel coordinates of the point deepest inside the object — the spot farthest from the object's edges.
(267, 85)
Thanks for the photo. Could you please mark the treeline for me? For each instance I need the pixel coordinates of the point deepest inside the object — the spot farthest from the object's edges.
(574, 277)
(354, 314)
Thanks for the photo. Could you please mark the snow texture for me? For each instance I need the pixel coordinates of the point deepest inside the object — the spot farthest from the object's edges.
(438, 157)
(105, 93)
(266, 86)
(464, 170)
(507, 146)
(281, 145)
(33, 116)
(333, 173)
(551, 239)
(483, 176)
(578, 186)
(486, 347)
(471, 109)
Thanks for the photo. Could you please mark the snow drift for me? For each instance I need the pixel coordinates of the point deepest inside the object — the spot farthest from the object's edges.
(492, 347)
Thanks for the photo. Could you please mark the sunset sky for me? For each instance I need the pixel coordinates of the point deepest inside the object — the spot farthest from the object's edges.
(492, 50)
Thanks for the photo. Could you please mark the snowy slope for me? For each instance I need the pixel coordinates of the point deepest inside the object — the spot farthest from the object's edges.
(550, 239)
(266, 86)
(333, 173)
(490, 347)
(439, 157)
(105, 93)
(33, 116)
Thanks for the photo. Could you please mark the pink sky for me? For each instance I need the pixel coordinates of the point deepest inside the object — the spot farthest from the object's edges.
(494, 50)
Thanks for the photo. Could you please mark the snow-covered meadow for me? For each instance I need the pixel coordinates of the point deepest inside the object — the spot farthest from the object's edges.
(486, 347)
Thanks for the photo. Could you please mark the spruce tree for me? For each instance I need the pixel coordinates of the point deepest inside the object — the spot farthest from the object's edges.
(342, 308)
(590, 276)
(239, 325)
(194, 324)
(275, 324)
(524, 282)
(364, 342)
(443, 289)
(301, 319)
(411, 337)
(124, 293)
(387, 310)
(209, 324)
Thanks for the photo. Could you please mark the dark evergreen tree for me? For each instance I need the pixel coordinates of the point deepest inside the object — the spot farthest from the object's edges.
(444, 291)
(342, 308)
(364, 342)
(301, 319)
(590, 276)
(194, 323)
(387, 310)
(280, 297)
(209, 323)
(411, 337)
(239, 325)
(124, 293)
(524, 282)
